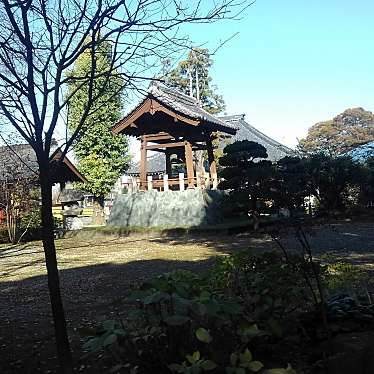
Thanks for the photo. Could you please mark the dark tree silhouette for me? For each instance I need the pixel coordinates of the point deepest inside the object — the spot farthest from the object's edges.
(246, 174)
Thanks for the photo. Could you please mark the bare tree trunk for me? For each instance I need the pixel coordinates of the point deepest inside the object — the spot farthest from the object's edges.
(62, 341)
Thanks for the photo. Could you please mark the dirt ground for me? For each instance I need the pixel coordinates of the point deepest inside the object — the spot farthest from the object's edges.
(97, 270)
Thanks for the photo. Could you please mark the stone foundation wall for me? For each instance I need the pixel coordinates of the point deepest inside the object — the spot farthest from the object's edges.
(189, 208)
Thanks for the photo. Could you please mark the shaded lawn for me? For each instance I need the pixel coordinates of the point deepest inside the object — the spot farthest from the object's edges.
(97, 270)
(94, 272)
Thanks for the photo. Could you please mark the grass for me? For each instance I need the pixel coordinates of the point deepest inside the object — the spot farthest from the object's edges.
(95, 247)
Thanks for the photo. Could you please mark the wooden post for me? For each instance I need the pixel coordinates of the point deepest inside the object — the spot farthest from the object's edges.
(149, 182)
(130, 185)
(134, 184)
(198, 179)
(168, 163)
(181, 181)
(166, 183)
(212, 163)
(189, 164)
(137, 181)
(143, 163)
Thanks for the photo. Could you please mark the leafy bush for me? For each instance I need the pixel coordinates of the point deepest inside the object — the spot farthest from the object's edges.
(186, 323)
(270, 303)
(343, 278)
(343, 307)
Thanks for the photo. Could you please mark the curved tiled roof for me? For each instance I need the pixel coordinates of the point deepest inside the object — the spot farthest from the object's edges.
(182, 104)
(185, 104)
(18, 161)
(275, 150)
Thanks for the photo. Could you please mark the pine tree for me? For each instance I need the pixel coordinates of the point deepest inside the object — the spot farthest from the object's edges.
(192, 77)
(246, 174)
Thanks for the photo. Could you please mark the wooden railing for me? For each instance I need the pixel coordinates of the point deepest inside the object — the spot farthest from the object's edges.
(181, 183)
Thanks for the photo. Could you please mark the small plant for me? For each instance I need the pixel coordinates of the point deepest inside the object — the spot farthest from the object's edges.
(194, 365)
(212, 318)
(242, 363)
(343, 277)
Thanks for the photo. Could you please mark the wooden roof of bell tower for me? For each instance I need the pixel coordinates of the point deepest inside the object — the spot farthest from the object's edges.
(169, 111)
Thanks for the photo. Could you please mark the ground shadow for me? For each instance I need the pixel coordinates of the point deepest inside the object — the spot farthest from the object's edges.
(90, 293)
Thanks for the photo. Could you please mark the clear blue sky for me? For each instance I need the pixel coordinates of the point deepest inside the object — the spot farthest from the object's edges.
(294, 63)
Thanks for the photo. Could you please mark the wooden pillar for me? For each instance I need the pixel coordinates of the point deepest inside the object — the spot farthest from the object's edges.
(143, 163)
(150, 183)
(189, 164)
(166, 183)
(181, 181)
(212, 163)
(168, 163)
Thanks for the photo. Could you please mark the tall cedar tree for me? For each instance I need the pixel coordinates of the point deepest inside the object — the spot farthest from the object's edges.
(102, 156)
(192, 77)
(341, 134)
(196, 69)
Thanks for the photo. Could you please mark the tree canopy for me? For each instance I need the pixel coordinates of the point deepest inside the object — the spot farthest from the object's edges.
(289, 185)
(193, 73)
(102, 156)
(246, 174)
(341, 134)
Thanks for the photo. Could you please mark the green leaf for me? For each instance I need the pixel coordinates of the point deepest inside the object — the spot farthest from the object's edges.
(121, 332)
(110, 339)
(156, 298)
(288, 370)
(246, 356)
(176, 320)
(93, 344)
(208, 365)
(203, 335)
(194, 357)
(250, 331)
(255, 366)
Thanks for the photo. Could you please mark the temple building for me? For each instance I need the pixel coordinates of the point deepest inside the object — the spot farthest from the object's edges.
(174, 124)
(176, 157)
(176, 127)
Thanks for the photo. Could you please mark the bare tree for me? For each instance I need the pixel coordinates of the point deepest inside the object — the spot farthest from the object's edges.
(40, 40)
